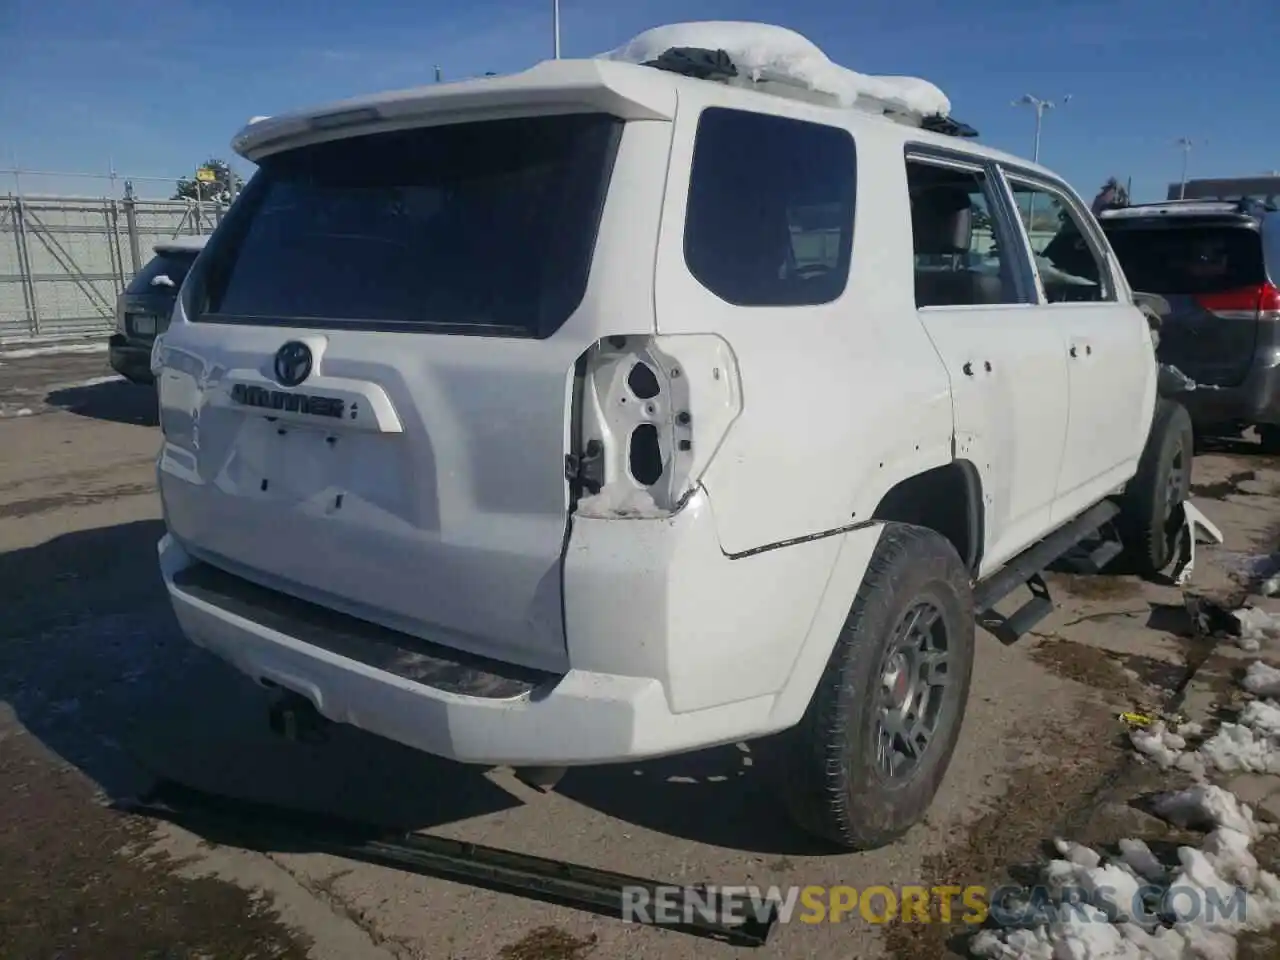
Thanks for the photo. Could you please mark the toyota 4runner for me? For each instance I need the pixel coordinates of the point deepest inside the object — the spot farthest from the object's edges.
(605, 412)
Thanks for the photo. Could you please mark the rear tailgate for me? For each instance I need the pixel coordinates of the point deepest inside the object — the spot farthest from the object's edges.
(1212, 274)
(425, 292)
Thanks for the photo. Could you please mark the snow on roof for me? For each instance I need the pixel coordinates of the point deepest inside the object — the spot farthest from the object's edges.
(764, 52)
(181, 243)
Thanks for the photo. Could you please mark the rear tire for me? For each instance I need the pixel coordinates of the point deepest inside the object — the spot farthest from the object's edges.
(899, 674)
(1148, 516)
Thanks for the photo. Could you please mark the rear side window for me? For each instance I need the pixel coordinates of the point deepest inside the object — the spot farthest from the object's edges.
(770, 214)
(482, 227)
(171, 265)
(1188, 260)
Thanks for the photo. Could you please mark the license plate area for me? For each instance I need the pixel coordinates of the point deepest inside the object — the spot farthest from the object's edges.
(302, 465)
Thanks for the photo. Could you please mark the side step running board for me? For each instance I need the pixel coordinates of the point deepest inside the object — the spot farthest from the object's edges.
(257, 826)
(1027, 567)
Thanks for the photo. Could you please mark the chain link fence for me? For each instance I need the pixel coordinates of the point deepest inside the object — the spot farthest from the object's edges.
(64, 259)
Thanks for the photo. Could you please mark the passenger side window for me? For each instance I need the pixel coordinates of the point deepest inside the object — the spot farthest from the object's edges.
(1071, 271)
(958, 261)
(770, 214)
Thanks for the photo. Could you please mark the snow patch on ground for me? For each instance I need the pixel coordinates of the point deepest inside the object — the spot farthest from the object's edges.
(1257, 628)
(91, 382)
(1262, 680)
(20, 412)
(23, 353)
(1150, 910)
(764, 51)
(1132, 907)
(1251, 744)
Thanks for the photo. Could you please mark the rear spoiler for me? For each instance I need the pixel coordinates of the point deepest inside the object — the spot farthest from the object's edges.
(624, 90)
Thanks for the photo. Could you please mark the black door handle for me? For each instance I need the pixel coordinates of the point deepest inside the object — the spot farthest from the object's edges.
(987, 365)
(1074, 352)
(968, 369)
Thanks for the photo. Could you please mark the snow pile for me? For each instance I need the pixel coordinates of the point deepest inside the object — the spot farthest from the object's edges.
(1262, 680)
(53, 350)
(1132, 907)
(766, 52)
(1250, 745)
(1168, 748)
(1257, 627)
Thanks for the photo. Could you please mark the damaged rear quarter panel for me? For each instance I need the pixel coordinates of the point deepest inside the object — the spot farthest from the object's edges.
(839, 401)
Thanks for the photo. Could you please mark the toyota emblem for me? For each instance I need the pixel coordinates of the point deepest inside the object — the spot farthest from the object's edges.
(293, 363)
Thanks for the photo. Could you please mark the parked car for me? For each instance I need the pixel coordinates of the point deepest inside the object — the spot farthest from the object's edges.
(1216, 266)
(144, 306)
(516, 429)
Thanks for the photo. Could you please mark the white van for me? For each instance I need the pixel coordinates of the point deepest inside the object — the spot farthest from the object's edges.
(606, 411)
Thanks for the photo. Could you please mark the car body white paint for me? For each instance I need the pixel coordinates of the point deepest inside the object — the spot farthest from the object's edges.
(708, 618)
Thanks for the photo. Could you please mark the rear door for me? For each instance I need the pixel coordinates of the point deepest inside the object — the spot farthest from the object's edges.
(1212, 273)
(1005, 357)
(365, 392)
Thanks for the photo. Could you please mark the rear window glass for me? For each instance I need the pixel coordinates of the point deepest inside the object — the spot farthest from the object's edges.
(1188, 260)
(171, 265)
(770, 215)
(482, 227)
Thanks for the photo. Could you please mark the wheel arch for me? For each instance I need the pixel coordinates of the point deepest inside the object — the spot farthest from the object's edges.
(947, 500)
(957, 487)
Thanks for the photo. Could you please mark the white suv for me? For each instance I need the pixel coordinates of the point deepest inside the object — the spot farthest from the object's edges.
(603, 412)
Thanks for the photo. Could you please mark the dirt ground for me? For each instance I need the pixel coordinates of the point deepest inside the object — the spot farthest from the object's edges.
(100, 695)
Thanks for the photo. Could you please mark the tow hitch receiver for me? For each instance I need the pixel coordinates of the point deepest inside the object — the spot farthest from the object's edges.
(262, 827)
(295, 718)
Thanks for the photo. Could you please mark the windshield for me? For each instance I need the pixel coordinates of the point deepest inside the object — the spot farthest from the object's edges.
(1189, 260)
(172, 265)
(488, 226)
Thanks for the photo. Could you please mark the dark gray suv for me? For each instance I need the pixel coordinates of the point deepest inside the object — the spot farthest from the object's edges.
(1216, 266)
(144, 306)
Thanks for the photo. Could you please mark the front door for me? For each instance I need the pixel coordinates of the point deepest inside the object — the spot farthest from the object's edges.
(1109, 353)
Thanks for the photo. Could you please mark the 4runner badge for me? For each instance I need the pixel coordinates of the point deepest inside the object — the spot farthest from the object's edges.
(293, 363)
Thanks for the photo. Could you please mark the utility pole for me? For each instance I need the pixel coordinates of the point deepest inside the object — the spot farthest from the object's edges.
(555, 25)
(1041, 107)
(1184, 144)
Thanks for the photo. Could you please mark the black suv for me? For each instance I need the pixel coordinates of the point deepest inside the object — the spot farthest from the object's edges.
(1215, 265)
(143, 308)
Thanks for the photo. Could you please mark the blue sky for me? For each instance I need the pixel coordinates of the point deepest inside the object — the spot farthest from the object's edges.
(156, 86)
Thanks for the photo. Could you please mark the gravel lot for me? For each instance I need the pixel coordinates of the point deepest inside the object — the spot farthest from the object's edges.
(99, 695)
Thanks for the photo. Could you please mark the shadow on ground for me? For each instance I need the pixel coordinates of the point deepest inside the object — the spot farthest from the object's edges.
(118, 401)
(1242, 446)
(94, 665)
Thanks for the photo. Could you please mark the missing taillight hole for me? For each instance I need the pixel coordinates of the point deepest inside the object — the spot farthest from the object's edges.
(645, 455)
(643, 382)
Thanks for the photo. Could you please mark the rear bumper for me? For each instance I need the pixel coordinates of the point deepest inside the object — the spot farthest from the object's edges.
(1255, 401)
(129, 359)
(691, 685)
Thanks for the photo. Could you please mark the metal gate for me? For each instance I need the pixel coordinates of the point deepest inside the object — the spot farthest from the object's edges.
(63, 260)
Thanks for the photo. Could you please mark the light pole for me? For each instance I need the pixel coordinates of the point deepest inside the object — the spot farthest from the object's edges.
(1184, 144)
(555, 25)
(1040, 107)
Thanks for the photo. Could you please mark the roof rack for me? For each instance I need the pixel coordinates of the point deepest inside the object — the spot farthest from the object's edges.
(1249, 206)
(702, 63)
